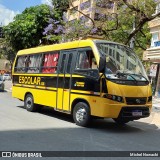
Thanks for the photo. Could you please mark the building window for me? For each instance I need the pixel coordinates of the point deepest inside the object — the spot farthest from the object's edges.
(85, 5)
(105, 4)
(154, 39)
(100, 17)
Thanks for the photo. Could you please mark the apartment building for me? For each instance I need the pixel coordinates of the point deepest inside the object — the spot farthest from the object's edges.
(152, 54)
(95, 9)
(5, 66)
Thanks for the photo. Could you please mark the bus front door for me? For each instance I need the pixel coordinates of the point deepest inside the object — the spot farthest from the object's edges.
(64, 81)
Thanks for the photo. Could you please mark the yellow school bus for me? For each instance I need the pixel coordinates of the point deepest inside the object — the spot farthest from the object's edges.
(85, 78)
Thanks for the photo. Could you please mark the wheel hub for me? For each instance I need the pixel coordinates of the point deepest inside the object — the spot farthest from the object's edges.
(29, 102)
(81, 114)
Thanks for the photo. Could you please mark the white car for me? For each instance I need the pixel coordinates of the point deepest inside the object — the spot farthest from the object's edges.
(6, 77)
(1, 84)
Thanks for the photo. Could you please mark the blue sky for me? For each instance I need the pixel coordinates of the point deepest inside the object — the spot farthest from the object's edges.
(9, 8)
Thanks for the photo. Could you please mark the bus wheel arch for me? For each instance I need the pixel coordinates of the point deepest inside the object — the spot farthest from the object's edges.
(81, 112)
(29, 102)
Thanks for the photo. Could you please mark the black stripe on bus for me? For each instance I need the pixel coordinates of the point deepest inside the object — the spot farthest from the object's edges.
(54, 90)
(86, 94)
(75, 83)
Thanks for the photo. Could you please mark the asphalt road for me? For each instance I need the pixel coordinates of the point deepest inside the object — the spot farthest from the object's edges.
(48, 130)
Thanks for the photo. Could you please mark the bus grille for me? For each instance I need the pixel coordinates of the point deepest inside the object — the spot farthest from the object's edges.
(127, 111)
(136, 100)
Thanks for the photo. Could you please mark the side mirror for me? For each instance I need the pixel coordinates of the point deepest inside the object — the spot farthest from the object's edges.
(102, 64)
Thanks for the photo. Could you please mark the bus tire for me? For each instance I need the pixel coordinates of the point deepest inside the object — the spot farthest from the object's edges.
(121, 121)
(29, 103)
(81, 114)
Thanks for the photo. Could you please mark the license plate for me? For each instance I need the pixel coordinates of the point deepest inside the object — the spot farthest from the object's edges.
(137, 113)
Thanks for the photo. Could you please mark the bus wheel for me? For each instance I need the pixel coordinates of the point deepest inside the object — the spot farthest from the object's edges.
(121, 121)
(29, 103)
(81, 114)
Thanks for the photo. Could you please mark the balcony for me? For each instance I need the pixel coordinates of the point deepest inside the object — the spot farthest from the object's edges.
(154, 23)
(152, 54)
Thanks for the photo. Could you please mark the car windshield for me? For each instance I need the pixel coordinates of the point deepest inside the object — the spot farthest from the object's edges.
(121, 62)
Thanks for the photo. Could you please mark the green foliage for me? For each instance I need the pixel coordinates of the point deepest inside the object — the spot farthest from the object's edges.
(27, 28)
(76, 29)
(129, 22)
(130, 18)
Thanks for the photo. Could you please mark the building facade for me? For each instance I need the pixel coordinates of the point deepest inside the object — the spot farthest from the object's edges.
(5, 66)
(92, 8)
(152, 54)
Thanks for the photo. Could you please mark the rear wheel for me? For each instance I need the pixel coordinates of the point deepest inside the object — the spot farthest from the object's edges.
(81, 114)
(29, 103)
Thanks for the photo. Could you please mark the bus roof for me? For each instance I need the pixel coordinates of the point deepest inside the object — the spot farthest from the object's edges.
(63, 46)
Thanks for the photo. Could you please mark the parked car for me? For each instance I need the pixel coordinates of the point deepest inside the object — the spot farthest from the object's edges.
(1, 84)
(6, 77)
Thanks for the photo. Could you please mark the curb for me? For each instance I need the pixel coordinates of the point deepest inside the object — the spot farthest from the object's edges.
(8, 90)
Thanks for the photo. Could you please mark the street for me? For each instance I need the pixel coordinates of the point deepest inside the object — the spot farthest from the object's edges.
(52, 131)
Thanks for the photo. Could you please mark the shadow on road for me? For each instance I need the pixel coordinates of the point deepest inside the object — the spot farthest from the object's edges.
(105, 125)
(82, 139)
(101, 135)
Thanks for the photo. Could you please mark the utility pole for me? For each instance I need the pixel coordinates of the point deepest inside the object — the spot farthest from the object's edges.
(133, 38)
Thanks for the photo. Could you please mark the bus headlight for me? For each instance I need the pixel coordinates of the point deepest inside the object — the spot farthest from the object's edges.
(114, 98)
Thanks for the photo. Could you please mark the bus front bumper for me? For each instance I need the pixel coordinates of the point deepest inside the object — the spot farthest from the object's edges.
(124, 111)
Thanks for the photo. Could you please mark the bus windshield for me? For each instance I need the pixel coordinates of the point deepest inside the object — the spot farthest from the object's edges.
(121, 62)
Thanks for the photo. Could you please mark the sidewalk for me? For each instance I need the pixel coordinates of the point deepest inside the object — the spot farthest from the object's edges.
(156, 103)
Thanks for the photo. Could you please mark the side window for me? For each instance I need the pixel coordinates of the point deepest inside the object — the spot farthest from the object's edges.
(34, 63)
(63, 63)
(20, 64)
(85, 59)
(50, 61)
(69, 65)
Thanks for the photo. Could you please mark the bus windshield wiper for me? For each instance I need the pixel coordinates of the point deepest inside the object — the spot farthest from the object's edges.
(126, 74)
(140, 75)
(132, 75)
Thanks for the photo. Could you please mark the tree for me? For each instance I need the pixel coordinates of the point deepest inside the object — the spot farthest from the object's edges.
(27, 28)
(128, 23)
(54, 31)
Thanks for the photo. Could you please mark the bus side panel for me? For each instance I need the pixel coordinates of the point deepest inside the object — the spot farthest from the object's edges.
(43, 97)
(18, 92)
(66, 98)
(100, 107)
